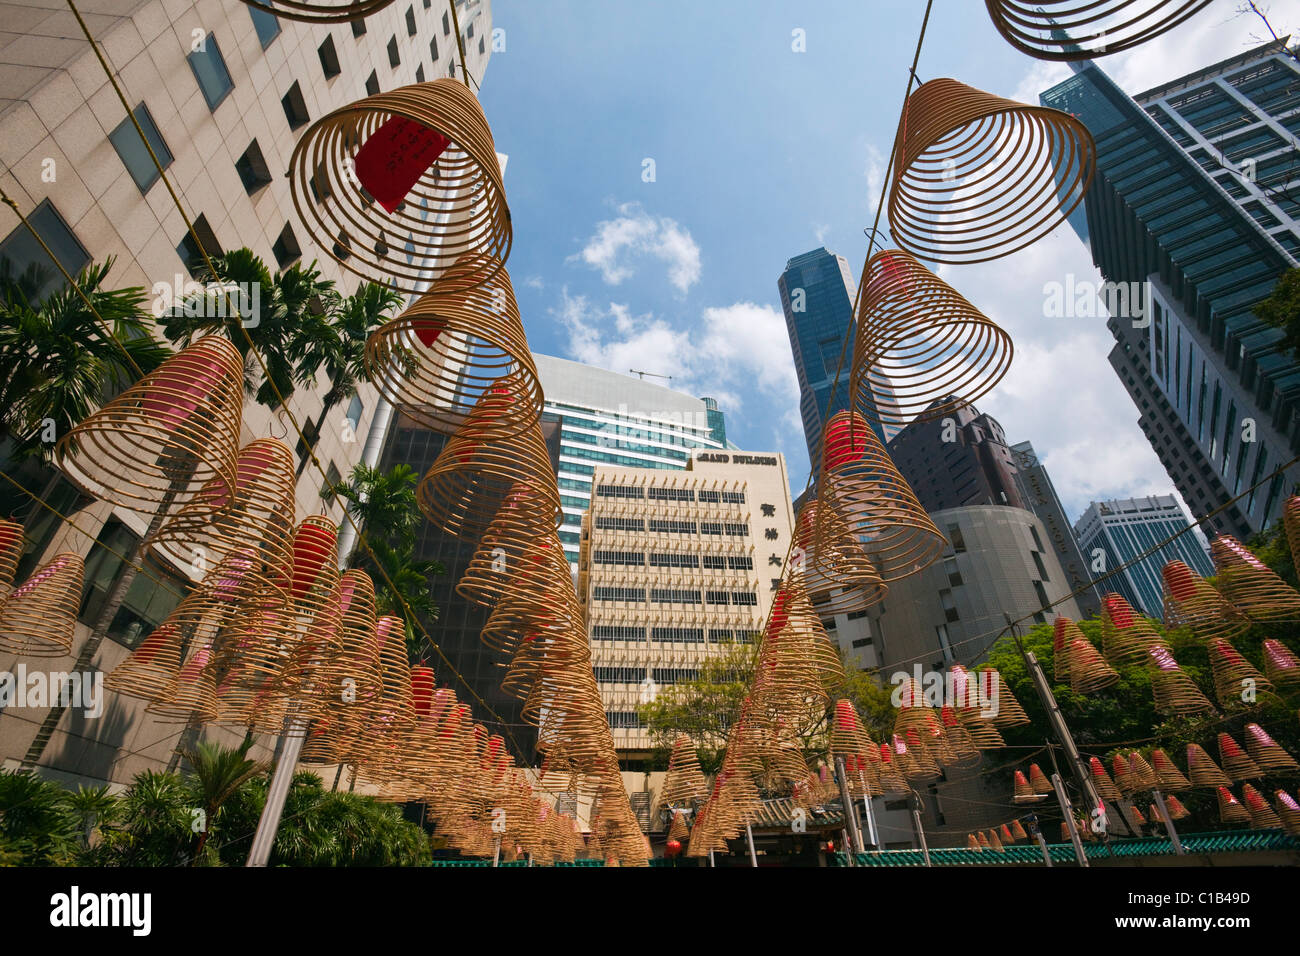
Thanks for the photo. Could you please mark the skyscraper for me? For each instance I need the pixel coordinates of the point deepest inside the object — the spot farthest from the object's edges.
(817, 295)
(1191, 221)
(1122, 529)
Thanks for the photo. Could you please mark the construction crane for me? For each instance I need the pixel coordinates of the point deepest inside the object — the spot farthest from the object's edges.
(637, 371)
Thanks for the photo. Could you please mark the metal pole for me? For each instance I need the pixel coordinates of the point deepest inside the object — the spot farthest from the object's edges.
(269, 823)
(712, 861)
(1068, 811)
(1081, 774)
(848, 847)
(869, 811)
(1032, 822)
(496, 852)
(1169, 823)
(920, 830)
(850, 814)
(749, 836)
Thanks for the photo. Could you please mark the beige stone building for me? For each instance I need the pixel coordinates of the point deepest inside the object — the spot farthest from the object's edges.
(675, 566)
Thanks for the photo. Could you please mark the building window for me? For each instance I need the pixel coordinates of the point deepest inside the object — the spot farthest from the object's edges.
(949, 608)
(359, 27)
(636, 595)
(329, 58)
(617, 632)
(131, 148)
(372, 83)
(941, 631)
(410, 21)
(955, 536)
(674, 596)
(419, 73)
(744, 598)
(22, 258)
(1038, 565)
(190, 252)
(210, 71)
(717, 597)
(307, 443)
(266, 24)
(433, 50)
(332, 478)
(295, 106)
(677, 635)
(252, 169)
(1041, 593)
(446, 25)
(286, 248)
(954, 575)
(480, 45)
(394, 57)
(355, 408)
(861, 642)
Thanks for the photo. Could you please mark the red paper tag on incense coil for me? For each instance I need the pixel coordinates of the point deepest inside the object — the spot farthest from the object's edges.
(394, 158)
(845, 442)
(1120, 616)
(428, 330)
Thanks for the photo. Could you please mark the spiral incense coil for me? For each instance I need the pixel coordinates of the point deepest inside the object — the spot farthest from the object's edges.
(1174, 691)
(1288, 810)
(1262, 816)
(935, 350)
(1084, 29)
(1132, 816)
(529, 582)
(357, 668)
(166, 436)
(319, 11)
(684, 783)
(1144, 777)
(972, 843)
(958, 737)
(1018, 831)
(39, 618)
(1007, 835)
(1202, 770)
(1126, 636)
(192, 694)
(1168, 777)
(1024, 793)
(847, 735)
(982, 732)
(1089, 671)
(395, 706)
(11, 550)
(678, 831)
(1122, 773)
(1064, 633)
(251, 659)
(1230, 808)
(1281, 666)
(994, 690)
(1106, 788)
(437, 357)
(1250, 585)
(979, 177)
(995, 842)
(255, 524)
(1191, 601)
(1234, 676)
(875, 501)
(403, 184)
(838, 575)
(1267, 753)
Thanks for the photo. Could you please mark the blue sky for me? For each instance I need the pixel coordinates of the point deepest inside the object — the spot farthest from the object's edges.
(761, 153)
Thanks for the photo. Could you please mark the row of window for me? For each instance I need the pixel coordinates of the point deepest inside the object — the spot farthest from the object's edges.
(672, 635)
(742, 562)
(637, 675)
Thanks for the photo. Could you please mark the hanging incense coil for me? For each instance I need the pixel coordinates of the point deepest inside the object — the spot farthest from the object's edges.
(996, 842)
(838, 575)
(1262, 816)
(166, 436)
(1288, 810)
(1176, 809)
(1230, 808)
(1168, 777)
(252, 525)
(934, 350)
(1191, 601)
(513, 555)
(39, 618)
(1132, 815)
(678, 831)
(1064, 633)
(405, 185)
(1267, 753)
(876, 503)
(1174, 691)
(1250, 585)
(978, 177)
(972, 843)
(1018, 830)
(319, 11)
(192, 695)
(958, 737)
(847, 735)
(1122, 773)
(993, 689)
(1006, 834)
(1089, 671)
(1126, 636)
(1082, 30)
(684, 783)
(1143, 776)
(1106, 788)
(11, 550)
(436, 358)
(1023, 792)
(1202, 770)
(1281, 666)
(1234, 676)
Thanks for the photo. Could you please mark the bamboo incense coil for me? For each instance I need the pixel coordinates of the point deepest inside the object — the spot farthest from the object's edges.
(1174, 691)
(684, 783)
(1281, 666)
(875, 501)
(1250, 585)
(395, 705)
(1064, 633)
(436, 358)
(972, 843)
(254, 524)
(1018, 830)
(319, 11)
(678, 830)
(1089, 671)
(1202, 770)
(516, 539)
(1023, 792)
(1169, 778)
(1191, 601)
(1132, 815)
(1106, 788)
(1038, 781)
(982, 841)
(1288, 810)
(1122, 773)
(405, 184)
(982, 732)
(11, 550)
(1144, 777)
(1007, 835)
(1234, 675)
(192, 694)
(151, 666)
(1267, 753)
(935, 351)
(357, 672)
(924, 766)
(891, 776)
(164, 437)
(1084, 29)
(1262, 816)
(1126, 636)
(996, 842)
(978, 177)
(39, 618)
(1230, 808)
(994, 688)
(847, 736)
(958, 737)
(838, 575)
(1176, 809)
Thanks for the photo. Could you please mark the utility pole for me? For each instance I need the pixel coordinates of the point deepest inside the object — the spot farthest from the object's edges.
(850, 816)
(920, 830)
(1169, 823)
(1032, 822)
(749, 836)
(1068, 810)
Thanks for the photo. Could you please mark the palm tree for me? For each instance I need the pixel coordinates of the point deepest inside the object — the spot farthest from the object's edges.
(218, 774)
(337, 343)
(93, 808)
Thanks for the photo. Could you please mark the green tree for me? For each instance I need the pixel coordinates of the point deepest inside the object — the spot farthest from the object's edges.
(156, 814)
(93, 808)
(1282, 310)
(218, 774)
(36, 828)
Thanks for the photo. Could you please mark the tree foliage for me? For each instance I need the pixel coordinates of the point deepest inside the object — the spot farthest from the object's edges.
(1282, 309)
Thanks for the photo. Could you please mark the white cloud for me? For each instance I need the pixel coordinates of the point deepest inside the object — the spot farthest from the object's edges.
(636, 233)
(875, 173)
(535, 282)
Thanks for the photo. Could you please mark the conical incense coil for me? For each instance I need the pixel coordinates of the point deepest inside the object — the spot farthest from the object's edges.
(1236, 681)
(993, 689)
(255, 524)
(1191, 601)
(1262, 816)
(472, 478)
(1122, 772)
(1267, 753)
(395, 706)
(1174, 691)
(1106, 788)
(677, 831)
(684, 782)
(982, 732)
(319, 11)
(405, 185)
(1126, 636)
(891, 776)
(982, 841)
(39, 618)
(935, 351)
(924, 766)
(1089, 671)
(1230, 808)
(1250, 585)
(978, 177)
(838, 575)
(1176, 809)
(192, 695)
(315, 601)
(11, 550)
(1132, 815)
(847, 736)
(436, 358)
(1024, 792)
(1144, 777)
(252, 656)
(1064, 633)
(875, 501)
(356, 673)
(1281, 666)
(958, 737)
(517, 538)
(1168, 777)
(1288, 810)
(1083, 29)
(164, 437)
(1202, 770)
(1006, 834)
(1038, 780)
(1018, 830)
(996, 842)
(972, 843)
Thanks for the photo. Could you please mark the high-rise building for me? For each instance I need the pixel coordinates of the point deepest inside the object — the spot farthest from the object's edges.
(222, 92)
(1191, 220)
(1118, 531)
(817, 295)
(611, 419)
(677, 565)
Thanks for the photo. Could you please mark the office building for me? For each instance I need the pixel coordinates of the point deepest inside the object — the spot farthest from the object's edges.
(1191, 221)
(675, 566)
(620, 420)
(222, 92)
(1120, 530)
